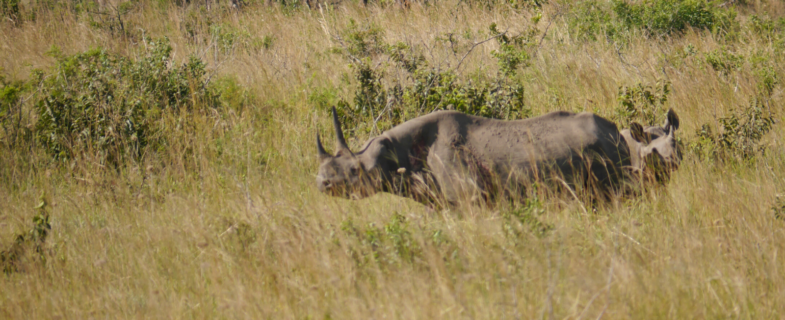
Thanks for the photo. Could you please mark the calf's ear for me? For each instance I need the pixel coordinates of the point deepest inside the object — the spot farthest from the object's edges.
(636, 130)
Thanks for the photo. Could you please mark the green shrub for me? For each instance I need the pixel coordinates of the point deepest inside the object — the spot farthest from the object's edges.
(232, 95)
(10, 112)
(361, 41)
(196, 24)
(388, 245)
(428, 90)
(226, 37)
(525, 219)
(641, 103)
(513, 52)
(767, 78)
(724, 61)
(13, 259)
(663, 17)
(739, 134)
(779, 208)
(515, 4)
(431, 90)
(109, 18)
(655, 17)
(381, 101)
(101, 104)
(766, 27)
(10, 9)
(589, 20)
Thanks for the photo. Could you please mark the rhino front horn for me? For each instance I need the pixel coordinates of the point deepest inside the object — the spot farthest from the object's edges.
(338, 133)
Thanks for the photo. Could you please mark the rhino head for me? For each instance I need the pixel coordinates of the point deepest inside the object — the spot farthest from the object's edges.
(353, 175)
(655, 148)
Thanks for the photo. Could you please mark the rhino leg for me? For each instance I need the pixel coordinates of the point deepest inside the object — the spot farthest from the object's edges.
(457, 176)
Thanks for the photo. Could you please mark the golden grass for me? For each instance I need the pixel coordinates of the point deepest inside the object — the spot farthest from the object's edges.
(243, 232)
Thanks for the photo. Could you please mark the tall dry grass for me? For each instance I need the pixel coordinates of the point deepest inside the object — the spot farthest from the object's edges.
(227, 223)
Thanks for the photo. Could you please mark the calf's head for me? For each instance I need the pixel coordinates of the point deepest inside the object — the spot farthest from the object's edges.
(352, 175)
(657, 148)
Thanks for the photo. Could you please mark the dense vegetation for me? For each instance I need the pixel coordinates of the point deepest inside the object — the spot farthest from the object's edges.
(157, 159)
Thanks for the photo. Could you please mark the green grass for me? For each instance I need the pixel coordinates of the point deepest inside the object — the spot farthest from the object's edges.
(223, 218)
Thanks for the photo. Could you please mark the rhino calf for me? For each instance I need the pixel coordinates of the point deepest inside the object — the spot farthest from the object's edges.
(447, 155)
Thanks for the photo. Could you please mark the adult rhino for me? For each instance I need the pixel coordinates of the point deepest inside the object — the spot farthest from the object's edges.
(447, 155)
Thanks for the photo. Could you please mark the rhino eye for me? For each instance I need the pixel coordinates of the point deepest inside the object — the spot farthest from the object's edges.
(353, 170)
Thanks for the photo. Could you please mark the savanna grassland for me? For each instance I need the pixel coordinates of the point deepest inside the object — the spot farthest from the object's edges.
(158, 160)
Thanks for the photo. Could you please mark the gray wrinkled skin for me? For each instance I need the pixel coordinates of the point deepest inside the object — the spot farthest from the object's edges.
(447, 155)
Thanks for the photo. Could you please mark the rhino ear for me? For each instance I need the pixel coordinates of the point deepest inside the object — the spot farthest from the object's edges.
(636, 130)
(671, 121)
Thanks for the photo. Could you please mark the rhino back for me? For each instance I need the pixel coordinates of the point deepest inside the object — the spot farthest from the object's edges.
(559, 139)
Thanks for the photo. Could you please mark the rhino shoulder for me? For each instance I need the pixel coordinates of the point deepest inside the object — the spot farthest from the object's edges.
(597, 124)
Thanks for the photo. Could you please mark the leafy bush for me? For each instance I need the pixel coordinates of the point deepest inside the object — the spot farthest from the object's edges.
(589, 19)
(100, 104)
(779, 208)
(10, 9)
(226, 37)
(382, 101)
(13, 258)
(524, 219)
(739, 134)
(429, 90)
(513, 51)
(724, 61)
(641, 103)
(363, 40)
(515, 4)
(768, 79)
(663, 17)
(389, 245)
(9, 108)
(655, 17)
(111, 18)
(499, 98)
(766, 27)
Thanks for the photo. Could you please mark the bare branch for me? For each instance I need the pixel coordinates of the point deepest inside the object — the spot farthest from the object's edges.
(475, 46)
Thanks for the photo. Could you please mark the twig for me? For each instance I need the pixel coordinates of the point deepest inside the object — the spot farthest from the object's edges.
(545, 33)
(636, 242)
(475, 45)
(375, 121)
(621, 58)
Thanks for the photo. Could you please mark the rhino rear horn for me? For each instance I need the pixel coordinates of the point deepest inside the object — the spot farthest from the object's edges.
(322, 154)
(341, 142)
